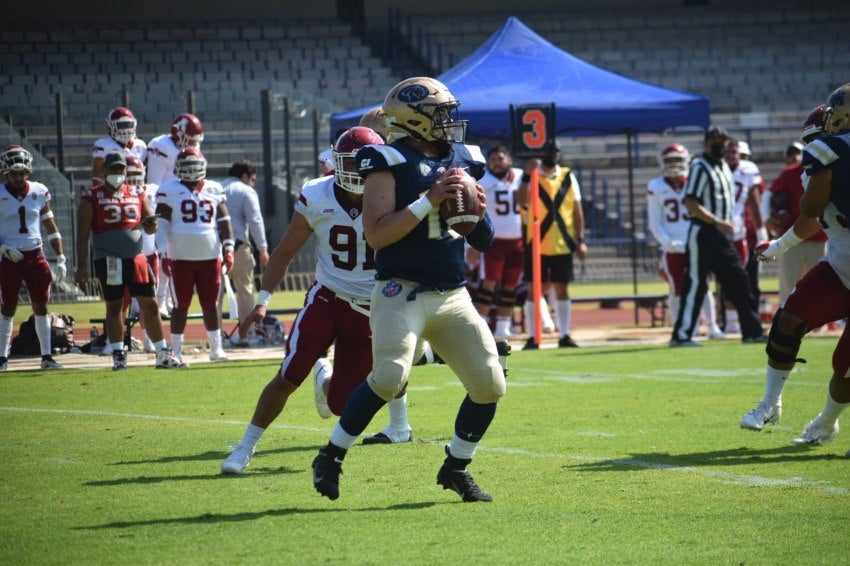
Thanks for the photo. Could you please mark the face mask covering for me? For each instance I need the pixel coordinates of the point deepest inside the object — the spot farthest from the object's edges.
(716, 150)
(115, 180)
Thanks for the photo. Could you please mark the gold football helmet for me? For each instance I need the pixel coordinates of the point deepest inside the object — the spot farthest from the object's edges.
(836, 117)
(375, 119)
(424, 109)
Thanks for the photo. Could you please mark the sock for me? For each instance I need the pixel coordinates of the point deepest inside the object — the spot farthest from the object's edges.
(732, 319)
(341, 439)
(530, 319)
(398, 413)
(503, 326)
(117, 346)
(775, 383)
(177, 346)
(214, 336)
(462, 449)
(252, 436)
(831, 411)
(473, 419)
(358, 413)
(545, 315)
(6, 325)
(160, 345)
(428, 353)
(565, 311)
(708, 310)
(42, 330)
(673, 302)
(147, 343)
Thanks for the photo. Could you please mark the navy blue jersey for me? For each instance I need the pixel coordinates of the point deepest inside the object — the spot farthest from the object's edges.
(430, 254)
(832, 152)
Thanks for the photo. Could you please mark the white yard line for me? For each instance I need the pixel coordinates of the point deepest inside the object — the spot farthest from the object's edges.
(742, 479)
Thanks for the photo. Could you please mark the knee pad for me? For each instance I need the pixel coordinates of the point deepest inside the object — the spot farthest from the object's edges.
(790, 342)
(388, 377)
(507, 298)
(484, 297)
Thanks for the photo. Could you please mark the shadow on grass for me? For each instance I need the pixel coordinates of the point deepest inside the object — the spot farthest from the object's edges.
(213, 455)
(247, 516)
(143, 480)
(729, 457)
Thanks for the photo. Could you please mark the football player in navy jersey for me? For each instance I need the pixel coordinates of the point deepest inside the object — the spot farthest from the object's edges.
(420, 291)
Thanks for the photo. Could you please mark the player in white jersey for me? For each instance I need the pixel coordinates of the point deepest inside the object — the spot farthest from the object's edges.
(122, 139)
(186, 131)
(136, 177)
(336, 309)
(193, 213)
(747, 199)
(503, 262)
(669, 223)
(24, 212)
(823, 294)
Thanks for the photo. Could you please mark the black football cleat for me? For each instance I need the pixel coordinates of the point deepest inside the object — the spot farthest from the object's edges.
(326, 471)
(454, 476)
(566, 342)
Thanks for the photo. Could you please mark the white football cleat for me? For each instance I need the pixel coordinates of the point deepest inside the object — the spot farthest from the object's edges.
(321, 372)
(119, 360)
(218, 356)
(237, 461)
(763, 414)
(716, 334)
(814, 433)
(47, 362)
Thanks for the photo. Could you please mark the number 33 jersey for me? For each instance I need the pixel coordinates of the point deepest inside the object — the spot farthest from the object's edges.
(20, 216)
(115, 220)
(192, 233)
(345, 263)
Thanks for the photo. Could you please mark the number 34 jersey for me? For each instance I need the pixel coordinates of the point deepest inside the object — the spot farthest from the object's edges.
(20, 216)
(192, 233)
(115, 220)
(345, 263)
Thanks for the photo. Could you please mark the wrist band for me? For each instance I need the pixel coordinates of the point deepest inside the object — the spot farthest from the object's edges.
(54, 236)
(525, 178)
(788, 240)
(47, 215)
(420, 207)
(263, 298)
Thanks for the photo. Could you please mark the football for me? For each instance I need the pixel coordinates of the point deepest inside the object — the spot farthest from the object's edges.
(463, 211)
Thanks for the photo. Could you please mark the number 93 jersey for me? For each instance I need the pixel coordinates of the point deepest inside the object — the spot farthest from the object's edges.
(20, 217)
(345, 263)
(192, 233)
(115, 220)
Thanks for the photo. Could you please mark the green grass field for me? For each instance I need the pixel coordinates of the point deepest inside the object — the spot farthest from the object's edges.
(618, 454)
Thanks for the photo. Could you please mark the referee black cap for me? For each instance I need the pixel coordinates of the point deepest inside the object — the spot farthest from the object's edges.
(715, 132)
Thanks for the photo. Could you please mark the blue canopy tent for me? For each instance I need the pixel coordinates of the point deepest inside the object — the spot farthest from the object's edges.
(516, 66)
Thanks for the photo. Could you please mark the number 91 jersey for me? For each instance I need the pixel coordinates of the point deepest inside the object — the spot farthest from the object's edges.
(345, 263)
(192, 233)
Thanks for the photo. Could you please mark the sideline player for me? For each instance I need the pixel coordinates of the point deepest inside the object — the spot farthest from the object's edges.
(336, 308)
(421, 288)
(24, 212)
(122, 139)
(503, 262)
(823, 294)
(193, 214)
(669, 223)
(113, 215)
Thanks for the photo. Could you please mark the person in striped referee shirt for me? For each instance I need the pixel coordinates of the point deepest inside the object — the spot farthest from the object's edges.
(709, 197)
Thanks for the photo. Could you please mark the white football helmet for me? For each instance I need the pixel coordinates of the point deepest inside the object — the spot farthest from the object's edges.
(122, 125)
(423, 108)
(345, 169)
(135, 171)
(191, 166)
(16, 158)
(836, 116)
(674, 160)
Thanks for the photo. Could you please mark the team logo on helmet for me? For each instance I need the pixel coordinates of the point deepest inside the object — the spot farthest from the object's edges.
(413, 93)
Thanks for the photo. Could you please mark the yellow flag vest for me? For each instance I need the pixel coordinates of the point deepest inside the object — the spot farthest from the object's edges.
(557, 233)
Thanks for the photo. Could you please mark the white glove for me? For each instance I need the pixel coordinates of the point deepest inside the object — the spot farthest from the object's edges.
(676, 247)
(61, 267)
(11, 253)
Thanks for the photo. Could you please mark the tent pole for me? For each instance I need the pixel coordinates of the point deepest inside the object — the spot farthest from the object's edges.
(632, 219)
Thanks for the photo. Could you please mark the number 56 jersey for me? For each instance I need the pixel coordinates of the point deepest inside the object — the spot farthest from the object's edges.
(192, 233)
(345, 263)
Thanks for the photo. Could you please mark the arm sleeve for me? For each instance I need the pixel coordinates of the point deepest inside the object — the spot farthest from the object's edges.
(481, 238)
(256, 226)
(656, 226)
